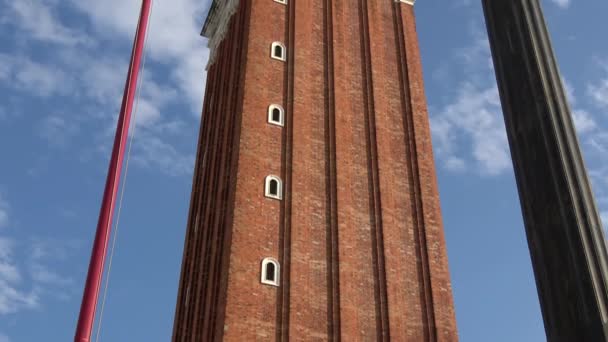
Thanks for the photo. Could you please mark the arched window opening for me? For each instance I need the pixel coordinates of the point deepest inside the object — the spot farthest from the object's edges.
(276, 115)
(270, 272)
(270, 268)
(277, 51)
(273, 188)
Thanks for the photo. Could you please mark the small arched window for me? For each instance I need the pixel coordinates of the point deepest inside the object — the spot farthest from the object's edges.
(273, 187)
(276, 115)
(277, 51)
(271, 272)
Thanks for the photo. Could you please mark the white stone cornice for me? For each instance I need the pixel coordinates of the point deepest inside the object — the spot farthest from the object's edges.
(409, 2)
(216, 25)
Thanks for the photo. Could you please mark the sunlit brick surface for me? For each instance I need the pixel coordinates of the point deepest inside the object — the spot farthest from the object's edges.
(358, 233)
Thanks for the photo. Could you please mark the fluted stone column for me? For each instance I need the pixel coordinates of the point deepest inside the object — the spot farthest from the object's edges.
(563, 227)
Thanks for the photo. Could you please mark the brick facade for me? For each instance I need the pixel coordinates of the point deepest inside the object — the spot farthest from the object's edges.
(358, 233)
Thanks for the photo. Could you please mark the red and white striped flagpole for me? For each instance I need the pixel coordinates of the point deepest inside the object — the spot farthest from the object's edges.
(104, 225)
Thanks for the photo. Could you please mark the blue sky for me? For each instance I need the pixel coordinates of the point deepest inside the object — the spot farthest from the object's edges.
(62, 68)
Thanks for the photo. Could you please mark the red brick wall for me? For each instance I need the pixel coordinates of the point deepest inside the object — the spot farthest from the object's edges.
(359, 232)
(250, 306)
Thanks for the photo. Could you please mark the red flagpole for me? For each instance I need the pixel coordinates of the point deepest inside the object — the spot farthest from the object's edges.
(104, 225)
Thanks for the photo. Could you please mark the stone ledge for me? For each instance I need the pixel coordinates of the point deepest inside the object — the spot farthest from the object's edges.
(216, 24)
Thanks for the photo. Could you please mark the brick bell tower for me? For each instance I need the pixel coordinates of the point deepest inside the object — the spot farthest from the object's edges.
(315, 211)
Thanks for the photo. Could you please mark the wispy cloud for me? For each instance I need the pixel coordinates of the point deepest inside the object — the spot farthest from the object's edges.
(469, 128)
(173, 38)
(37, 20)
(598, 89)
(562, 3)
(592, 133)
(26, 282)
(57, 130)
(473, 120)
(28, 270)
(3, 212)
(45, 254)
(599, 92)
(583, 120)
(12, 297)
(90, 73)
(25, 74)
(4, 338)
(151, 151)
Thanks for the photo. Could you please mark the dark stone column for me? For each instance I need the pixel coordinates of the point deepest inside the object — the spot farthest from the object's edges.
(564, 231)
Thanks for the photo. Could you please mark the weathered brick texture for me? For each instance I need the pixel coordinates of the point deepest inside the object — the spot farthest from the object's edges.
(358, 232)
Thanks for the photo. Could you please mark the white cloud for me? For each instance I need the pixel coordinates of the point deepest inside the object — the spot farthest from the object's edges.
(473, 121)
(595, 148)
(27, 280)
(562, 3)
(147, 113)
(173, 36)
(45, 276)
(93, 75)
(5, 67)
(569, 89)
(454, 163)
(469, 127)
(38, 79)
(52, 249)
(583, 121)
(599, 92)
(599, 143)
(45, 256)
(152, 151)
(3, 212)
(103, 78)
(477, 113)
(39, 22)
(12, 297)
(56, 129)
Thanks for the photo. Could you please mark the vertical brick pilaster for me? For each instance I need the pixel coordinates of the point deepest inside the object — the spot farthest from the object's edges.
(251, 306)
(308, 268)
(401, 260)
(357, 294)
(432, 251)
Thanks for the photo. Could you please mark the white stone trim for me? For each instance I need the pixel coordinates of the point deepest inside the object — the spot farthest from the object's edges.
(216, 26)
(284, 2)
(409, 2)
(283, 57)
(271, 121)
(277, 272)
(267, 193)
